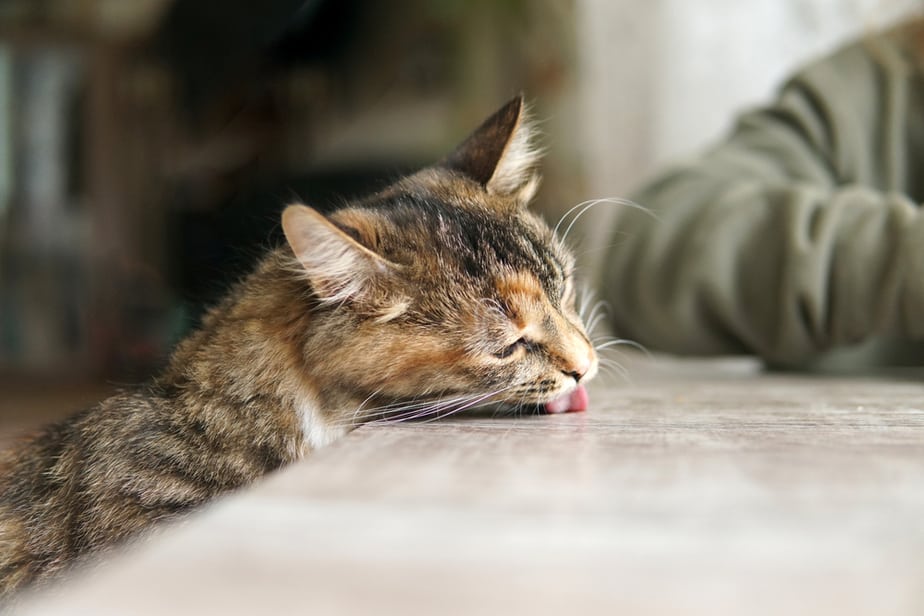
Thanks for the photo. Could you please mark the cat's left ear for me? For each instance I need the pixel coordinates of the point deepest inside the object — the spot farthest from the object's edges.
(338, 266)
(501, 154)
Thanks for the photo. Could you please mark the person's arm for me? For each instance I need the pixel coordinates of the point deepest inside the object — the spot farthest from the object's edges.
(795, 235)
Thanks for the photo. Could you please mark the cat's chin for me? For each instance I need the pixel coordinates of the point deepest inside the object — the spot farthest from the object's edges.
(574, 401)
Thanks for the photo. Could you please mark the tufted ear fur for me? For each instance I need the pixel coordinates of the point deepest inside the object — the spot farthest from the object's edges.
(501, 154)
(338, 266)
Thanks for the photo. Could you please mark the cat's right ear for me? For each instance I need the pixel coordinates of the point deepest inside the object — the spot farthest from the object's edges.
(338, 267)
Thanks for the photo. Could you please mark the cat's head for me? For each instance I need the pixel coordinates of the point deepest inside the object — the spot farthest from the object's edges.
(445, 286)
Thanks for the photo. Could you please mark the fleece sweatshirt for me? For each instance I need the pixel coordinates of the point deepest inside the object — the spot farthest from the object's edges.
(799, 238)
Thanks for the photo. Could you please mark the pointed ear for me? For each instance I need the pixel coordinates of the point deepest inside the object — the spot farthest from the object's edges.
(338, 267)
(501, 154)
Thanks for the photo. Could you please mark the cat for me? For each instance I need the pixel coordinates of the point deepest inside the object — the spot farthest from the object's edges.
(439, 293)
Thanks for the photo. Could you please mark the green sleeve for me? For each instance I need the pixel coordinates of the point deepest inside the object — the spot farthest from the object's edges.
(799, 233)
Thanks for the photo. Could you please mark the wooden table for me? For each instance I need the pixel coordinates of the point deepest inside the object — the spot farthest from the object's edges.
(696, 488)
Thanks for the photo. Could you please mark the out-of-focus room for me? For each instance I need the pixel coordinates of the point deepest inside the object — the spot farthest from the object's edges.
(150, 146)
(147, 148)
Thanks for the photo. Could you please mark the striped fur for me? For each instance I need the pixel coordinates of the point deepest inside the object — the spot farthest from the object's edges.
(440, 292)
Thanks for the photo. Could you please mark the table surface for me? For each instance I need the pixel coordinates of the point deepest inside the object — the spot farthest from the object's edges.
(693, 488)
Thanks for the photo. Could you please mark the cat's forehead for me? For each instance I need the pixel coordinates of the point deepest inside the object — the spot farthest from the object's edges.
(439, 212)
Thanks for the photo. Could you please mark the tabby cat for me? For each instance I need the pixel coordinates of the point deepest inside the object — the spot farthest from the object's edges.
(439, 293)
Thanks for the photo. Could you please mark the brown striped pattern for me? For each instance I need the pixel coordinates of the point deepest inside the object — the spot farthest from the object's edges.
(455, 270)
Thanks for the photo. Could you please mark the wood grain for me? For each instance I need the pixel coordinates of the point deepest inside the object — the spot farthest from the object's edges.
(696, 488)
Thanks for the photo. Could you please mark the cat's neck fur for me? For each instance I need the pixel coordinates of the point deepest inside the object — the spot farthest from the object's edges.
(252, 351)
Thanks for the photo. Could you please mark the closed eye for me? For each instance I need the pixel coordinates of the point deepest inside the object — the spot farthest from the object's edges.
(511, 349)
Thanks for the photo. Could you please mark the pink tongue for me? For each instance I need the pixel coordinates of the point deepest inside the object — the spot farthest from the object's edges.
(571, 402)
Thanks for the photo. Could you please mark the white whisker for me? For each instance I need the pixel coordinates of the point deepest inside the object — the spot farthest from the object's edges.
(577, 216)
(585, 300)
(395, 407)
(613, 367)
(401, 412)
(442, 411)
(409, 411)
(360, 407)
(623, 342)
(586, 205)
(596, 316)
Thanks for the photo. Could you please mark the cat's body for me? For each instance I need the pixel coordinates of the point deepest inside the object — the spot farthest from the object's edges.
(439, 293)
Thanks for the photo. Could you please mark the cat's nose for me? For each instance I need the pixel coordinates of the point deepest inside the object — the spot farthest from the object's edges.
(579, 367)
(578, 370)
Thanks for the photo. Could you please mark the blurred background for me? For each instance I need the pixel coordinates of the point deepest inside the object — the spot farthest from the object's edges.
(148, 146)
